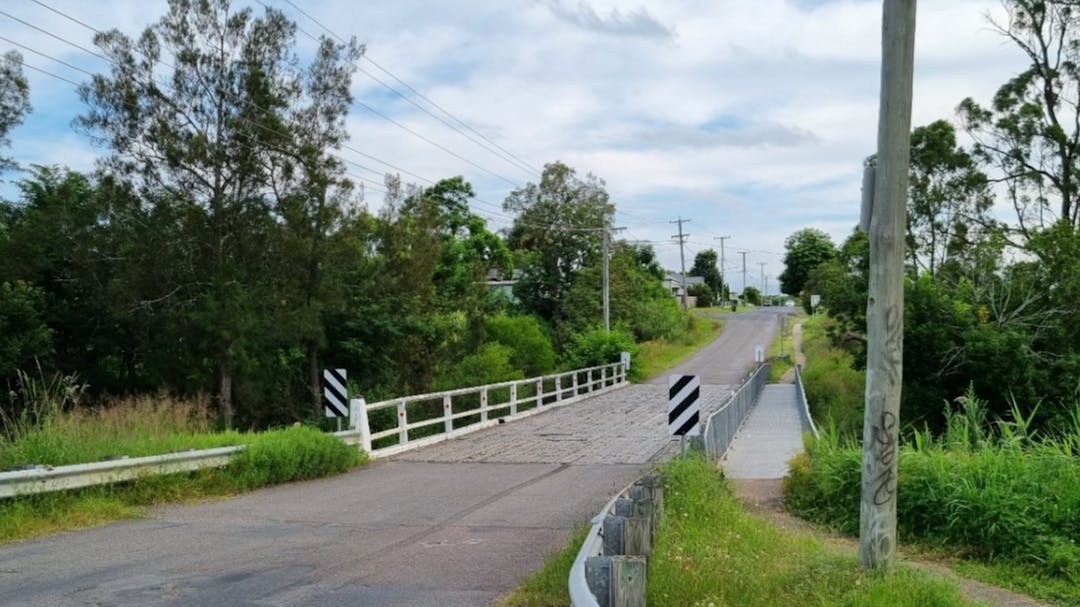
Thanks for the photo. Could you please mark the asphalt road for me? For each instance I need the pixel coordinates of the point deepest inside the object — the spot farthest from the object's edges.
(727, 360)
(454, 524)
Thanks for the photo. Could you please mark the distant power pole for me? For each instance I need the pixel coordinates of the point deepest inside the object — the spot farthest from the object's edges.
(607, 278)
(743, 253)
(722, 282)
(682, 256)
(763, 289)
(885, 309)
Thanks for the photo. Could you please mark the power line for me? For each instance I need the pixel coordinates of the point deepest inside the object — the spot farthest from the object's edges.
(509, 156)
(415, 104)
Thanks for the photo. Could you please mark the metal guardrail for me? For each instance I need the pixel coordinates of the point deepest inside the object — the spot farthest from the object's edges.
(43, 479)
(495, 403)
(804, 405)
(47, 478)
(721, 425)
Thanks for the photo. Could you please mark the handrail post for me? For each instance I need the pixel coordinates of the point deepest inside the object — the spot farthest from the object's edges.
(575, 384)
(403, 423)
(558, 388)
(358, 419)
(448, 413)
(483, 404)
(539, 393)
(603, 377)
(513, 399)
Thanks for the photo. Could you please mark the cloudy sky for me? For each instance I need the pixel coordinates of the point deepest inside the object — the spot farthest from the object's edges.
(749, 118)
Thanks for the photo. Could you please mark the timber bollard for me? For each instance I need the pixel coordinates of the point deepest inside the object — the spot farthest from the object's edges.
(617, 579)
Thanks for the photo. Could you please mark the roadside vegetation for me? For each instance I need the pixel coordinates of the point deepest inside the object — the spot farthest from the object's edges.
(993, 491)
(655, 357)
(708, 550)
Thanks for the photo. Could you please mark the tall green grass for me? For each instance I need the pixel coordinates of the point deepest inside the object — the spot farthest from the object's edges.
(708, 551)
(989, 490)
(833, 389)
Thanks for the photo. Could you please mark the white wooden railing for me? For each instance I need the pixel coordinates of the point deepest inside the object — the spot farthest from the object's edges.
(451, 413)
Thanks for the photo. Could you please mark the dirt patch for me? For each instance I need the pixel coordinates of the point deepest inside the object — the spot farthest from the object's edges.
(765, 498)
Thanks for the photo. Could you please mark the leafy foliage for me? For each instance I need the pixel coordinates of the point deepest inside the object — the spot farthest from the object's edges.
(14, 100)
(599, 347)
(705, 266)
(805, 250)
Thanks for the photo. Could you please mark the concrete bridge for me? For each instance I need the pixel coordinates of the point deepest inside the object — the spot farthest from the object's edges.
(454, 524)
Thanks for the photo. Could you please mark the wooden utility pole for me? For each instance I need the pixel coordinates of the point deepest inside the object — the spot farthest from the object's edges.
(607, 277)
(885, 307)
(743, 253)
(682, 257)
(723, 281)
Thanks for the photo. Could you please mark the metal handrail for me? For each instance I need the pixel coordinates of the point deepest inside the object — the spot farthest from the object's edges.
(722, 424)
(803, 402)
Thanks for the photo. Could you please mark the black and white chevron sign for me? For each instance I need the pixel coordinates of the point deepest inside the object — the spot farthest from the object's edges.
(683, 410)
(335, 393)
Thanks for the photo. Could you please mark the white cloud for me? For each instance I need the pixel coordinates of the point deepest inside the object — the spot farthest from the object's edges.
(752, 118)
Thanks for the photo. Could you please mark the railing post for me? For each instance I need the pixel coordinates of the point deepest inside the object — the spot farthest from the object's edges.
(403, 423)
(358, 419)
(603, 377)
(575, 384)
(448, 412)
(483, 404)
(589, 384)
(558, 389)
(513, 399)
(539, 393)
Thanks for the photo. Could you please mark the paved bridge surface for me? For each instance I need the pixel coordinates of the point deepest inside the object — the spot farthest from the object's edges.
(454, 524)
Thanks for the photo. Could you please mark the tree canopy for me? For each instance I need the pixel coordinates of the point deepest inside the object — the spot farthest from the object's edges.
(805, 249)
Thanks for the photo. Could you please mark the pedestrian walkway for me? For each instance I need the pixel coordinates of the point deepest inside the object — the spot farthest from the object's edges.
(769, 438)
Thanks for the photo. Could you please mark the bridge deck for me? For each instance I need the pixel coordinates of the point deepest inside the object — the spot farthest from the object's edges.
(769, 438)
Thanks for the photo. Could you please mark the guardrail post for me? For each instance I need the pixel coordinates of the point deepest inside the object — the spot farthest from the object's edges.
(598, 578)
(603, 377)
(628, 581)
(448, 413)
(513, 399)
(539, 393)
(558, 389)
(575, 384)
(590, 382)
(403, 423)
(483, 404)
(358, 419)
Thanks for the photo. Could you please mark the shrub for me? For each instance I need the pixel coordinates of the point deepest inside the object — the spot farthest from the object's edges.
(530, 346)
(491, 364)
(599, 347)
(295, 453)
(704, 294)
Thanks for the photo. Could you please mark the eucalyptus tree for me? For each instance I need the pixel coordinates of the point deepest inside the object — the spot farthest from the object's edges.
(14, 100)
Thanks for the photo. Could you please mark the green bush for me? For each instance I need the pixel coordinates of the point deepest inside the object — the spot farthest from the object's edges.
(834, 389)
(491, 364)
(295, 453)
(599, 347)
(705, 296)
(531, 349)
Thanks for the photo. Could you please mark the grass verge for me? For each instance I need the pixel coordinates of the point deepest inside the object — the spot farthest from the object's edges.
(276, 456)
(834, 390)
(708, 551)
(657, 356)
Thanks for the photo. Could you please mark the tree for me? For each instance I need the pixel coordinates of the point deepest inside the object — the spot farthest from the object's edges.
(948, 198)
(704, 296)
(199, 140)
(705, 267)
(560, 221)
(805, 250)
(14, 100)
(24, 336)
(752, 296)
(1030, 132)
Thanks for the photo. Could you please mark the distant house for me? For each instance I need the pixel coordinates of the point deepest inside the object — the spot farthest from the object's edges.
(674, 282)
(503, 285)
